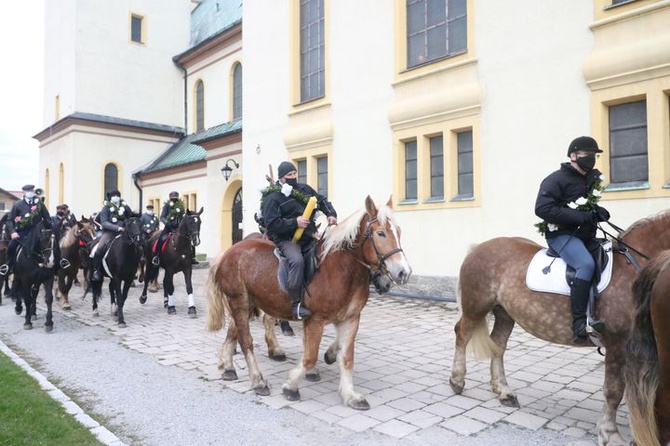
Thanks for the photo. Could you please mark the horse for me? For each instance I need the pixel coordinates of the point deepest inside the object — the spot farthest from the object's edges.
(75, 248)
(4, 244)
(492, 280)
(34, 266)
(120, 265)
(175, 257)
(245, 278)
(647, 371)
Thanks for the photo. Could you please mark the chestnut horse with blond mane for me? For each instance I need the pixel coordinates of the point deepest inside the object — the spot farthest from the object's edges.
(647, 369)
(492, 280)
(245, 278)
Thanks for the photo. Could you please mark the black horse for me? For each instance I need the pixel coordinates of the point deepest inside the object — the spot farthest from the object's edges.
(35, 265)
(4, 244)
(120, 261)
(175, 257)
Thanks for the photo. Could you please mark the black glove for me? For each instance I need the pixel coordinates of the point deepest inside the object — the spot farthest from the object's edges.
(600, 214)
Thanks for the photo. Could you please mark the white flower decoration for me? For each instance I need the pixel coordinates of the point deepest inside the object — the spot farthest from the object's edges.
(572, 205)
(171, 204)
(602, 177)
(581, 200)
(177, 210)
(114, 220)
(111, 208)
(596, 193)
(27, 214)
(552, 227)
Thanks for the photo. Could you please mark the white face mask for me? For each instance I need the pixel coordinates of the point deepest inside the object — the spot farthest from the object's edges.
(29, 196)
(150, 212)
(115, 199)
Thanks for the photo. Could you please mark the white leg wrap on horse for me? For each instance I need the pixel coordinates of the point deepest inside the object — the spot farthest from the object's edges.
(170, 301)
(95, 248)
(191, 300)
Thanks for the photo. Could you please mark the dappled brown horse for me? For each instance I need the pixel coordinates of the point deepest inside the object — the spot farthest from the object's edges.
(647, 370)
(75, 247)
(492, 280)
(245, 277)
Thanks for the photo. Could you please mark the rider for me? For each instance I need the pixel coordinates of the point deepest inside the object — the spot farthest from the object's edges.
(572, 227)
(112, 216)
(70, 219)
(149, 221)
(23, 218)
(172, 213)
(59, 221)
(282, 209)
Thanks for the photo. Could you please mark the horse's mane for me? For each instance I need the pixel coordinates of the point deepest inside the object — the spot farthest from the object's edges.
(645, 221)
(344, 234)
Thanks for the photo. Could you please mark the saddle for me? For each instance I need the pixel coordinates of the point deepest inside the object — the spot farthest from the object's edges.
(548, 273)
(162, 247)
(310, 260)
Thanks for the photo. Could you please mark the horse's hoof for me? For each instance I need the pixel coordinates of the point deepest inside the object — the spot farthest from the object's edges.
(48, 328)
(361, 404)
(458, 389)
(18, 311)
(291, 395)
(122, 325)
(67, 307)
(229, 375)
(27, 326)
(277, 357)
(262, 391)
(172, 309)
(33, 317)
(192, 313)
(313, 377)
(143, 299)
(510, 401)
(96, 313)
(329, 359)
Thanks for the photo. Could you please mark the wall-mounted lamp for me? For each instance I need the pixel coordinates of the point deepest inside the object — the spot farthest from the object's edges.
(227, 170)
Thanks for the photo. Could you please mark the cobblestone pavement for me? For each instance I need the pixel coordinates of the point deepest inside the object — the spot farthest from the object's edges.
(404, 351)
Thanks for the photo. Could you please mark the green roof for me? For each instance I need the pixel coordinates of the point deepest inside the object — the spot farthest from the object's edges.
(212, 17)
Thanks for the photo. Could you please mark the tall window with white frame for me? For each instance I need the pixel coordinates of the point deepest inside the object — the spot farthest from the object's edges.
(302, 171)
(410, 170)
(237, 92)
(322, 175)
(199, 106)
(436, 29)
(465, 166)
(136, 28)
(312, 50)
(437, 168)
(629, 166)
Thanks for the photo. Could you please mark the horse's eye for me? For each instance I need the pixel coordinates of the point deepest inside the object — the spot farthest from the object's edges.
(381, 234)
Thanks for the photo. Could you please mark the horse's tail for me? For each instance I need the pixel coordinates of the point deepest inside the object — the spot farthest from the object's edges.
(95, 286)
(481, 345)
(641, 371)
(217, 302)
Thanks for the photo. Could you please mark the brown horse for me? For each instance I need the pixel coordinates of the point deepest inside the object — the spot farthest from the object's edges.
(492, 280)
(245, 277)
(647, 371)
(75, 247)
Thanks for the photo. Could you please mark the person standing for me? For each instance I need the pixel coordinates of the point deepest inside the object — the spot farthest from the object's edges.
(567, 203)
(282, 208)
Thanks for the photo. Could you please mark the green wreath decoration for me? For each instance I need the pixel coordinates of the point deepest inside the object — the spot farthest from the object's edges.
(587, 203)
(178, 210)
(29, 217)
(276, 188)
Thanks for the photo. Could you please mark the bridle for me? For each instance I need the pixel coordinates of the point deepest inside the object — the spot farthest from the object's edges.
(381, 258)
(192, 236)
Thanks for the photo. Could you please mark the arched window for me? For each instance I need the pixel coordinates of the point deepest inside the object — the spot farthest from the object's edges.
(199, 106)
(61, 182)
(237, 91)
(111, 178)
(47, 183)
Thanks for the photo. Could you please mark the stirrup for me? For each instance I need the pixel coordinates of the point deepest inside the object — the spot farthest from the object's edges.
(595, 328)
(300, 312)
(155, 261)
(4, 269)
(64, 263)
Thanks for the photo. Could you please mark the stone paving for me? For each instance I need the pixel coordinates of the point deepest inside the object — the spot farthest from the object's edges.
(404, 351)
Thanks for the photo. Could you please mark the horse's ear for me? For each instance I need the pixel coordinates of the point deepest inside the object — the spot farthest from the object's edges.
(84, 219)
(390, 202)
(370, 206)
(200, 211)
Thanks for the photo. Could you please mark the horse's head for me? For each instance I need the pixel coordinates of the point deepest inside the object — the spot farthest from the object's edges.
(44, 246)
(85, 231)
(133, 230)
(190, 224)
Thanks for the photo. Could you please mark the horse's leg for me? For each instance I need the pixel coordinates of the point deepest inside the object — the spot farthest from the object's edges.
(275, 352)
(241, 317)
(226, 353)
(189, 290)
(48, 299)
(65, 291)
(502, 329)
(122, 296)
(347, 336)
(17, 290)
(27, 295)
(113, 293)
(613, 391)
(168, 291)
(331, 354)
(467, 328)
(313, 330)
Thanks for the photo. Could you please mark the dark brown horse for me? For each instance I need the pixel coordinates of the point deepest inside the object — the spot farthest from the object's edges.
(176, 257)
(492, 280)
(245, 277)
(647, 370)
(75, 247)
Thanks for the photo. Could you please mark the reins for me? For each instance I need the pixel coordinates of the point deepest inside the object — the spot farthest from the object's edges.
(623, 247)
(381, 258)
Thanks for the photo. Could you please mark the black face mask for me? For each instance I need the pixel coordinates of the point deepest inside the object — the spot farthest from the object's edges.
(586, 163)
(293, 182)
(60, 214)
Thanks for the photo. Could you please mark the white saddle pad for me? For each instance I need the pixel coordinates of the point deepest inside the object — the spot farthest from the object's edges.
(554, 281)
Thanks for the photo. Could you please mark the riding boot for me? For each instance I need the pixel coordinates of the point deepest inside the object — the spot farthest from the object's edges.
(298, 309)
(97, 267)
(579, 295)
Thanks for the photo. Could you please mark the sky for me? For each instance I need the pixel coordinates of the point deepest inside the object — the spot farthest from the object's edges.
(21, 92)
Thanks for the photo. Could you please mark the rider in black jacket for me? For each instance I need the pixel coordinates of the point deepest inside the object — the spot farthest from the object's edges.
(282, 208)
(563, 203)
